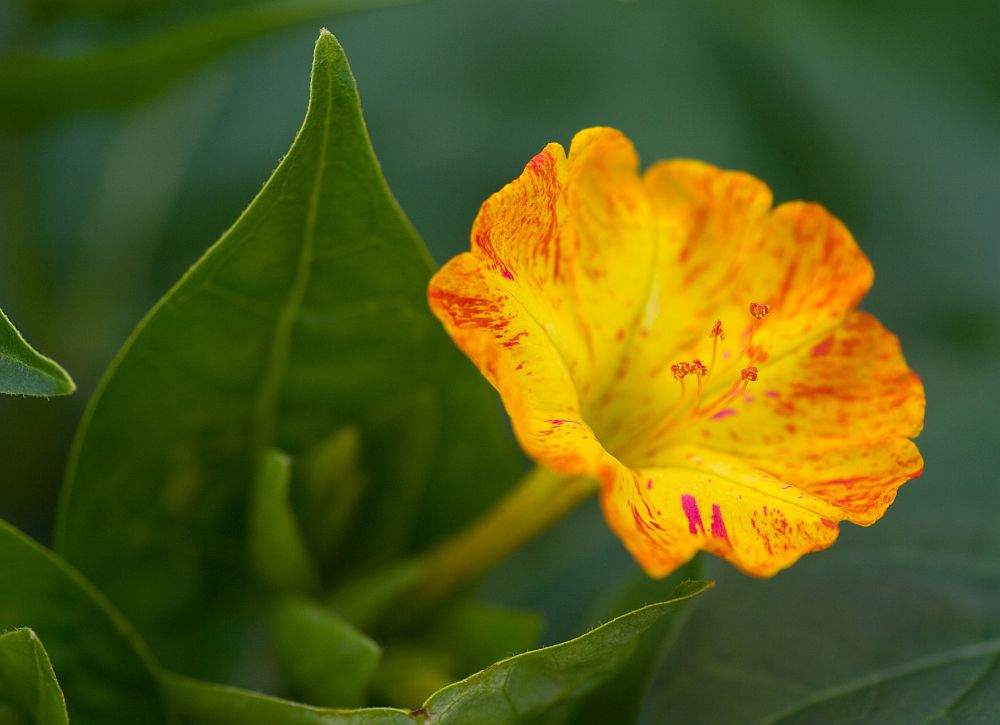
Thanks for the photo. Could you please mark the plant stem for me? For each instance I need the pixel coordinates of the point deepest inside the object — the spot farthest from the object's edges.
(539, 499)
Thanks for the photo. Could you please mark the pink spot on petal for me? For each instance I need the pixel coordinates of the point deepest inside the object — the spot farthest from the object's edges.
(508, 275)
(718, 525)
(690, 506)
(539, 162)
(771, 393)
(724, 413)
(823, 347)
(827, 522)
(649, 483)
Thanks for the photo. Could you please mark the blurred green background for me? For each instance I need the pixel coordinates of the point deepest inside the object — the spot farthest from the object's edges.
(887, 112)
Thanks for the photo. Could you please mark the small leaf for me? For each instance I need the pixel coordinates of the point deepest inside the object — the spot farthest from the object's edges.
(410, 426)
(103, 668)
(523, 687)
(204, 703)
(25, 371)
(277, 548)
(308, 316)
(324, 658)
(43, 88)
(27, 682)
(333, 485)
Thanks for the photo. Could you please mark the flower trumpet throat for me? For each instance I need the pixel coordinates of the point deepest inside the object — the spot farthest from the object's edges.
(694, 349)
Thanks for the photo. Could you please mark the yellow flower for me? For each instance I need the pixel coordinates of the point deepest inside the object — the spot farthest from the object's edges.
(695, 350)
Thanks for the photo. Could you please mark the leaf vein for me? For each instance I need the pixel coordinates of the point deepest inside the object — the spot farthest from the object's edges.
(921, 664)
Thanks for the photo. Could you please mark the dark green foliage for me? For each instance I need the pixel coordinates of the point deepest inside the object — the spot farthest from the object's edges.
(25, 371)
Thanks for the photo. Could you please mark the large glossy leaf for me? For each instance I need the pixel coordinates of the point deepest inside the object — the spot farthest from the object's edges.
(876, 638)
(42, 88)
(103, 668)
(24, 370)
(307, 317)
(526, 687)
(28, 685)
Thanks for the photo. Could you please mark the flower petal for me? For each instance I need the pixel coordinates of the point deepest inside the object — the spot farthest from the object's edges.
(715, 503)
(721, 248)
(824, 437)
(519, 359)
(833, 420)
(572, 240)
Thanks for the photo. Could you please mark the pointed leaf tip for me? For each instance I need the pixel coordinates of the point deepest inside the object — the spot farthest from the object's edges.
(24, 370)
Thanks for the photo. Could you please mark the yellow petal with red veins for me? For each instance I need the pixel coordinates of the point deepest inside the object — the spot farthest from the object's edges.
(716, 503)
(546, 301)
(722, 247)
(835, 419)
(519, 359)
(823, 436)
(572, 240)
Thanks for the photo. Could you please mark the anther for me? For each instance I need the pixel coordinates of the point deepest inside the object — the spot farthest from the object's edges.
(680, 370)
(756, 354)
(717, 330)
(748, 374)
(697, 368)
(759, 310)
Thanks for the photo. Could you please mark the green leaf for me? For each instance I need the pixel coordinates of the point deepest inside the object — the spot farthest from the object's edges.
(27, 682)
(325, 659)
(463, 638)
(104, 670)
(620, 697)
(524, 687)
(277, 548)
(333, 486)
(25, 371)
(42, 88)
(867, 636)
(308, 316)
(204, 703)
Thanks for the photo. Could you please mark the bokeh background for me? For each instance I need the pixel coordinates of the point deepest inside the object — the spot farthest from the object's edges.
(887, 112)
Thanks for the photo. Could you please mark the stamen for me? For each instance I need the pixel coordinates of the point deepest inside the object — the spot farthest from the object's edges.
(747, 376)
(699, 371)
(683, 409)
(716, 333)
(758, 311)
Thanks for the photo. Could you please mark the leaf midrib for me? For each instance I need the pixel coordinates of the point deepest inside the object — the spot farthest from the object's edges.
(269, 390)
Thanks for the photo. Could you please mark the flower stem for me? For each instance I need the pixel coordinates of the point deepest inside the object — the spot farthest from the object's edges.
(539, 499)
